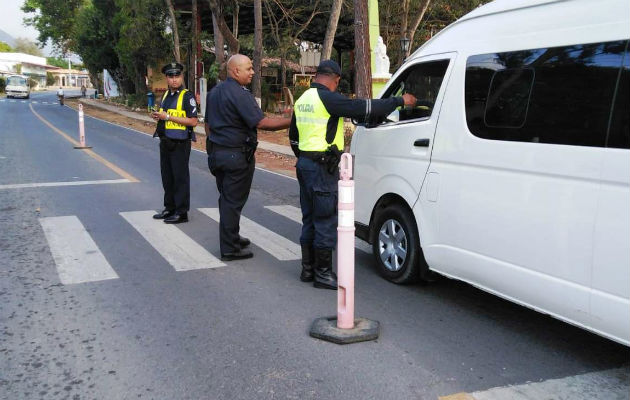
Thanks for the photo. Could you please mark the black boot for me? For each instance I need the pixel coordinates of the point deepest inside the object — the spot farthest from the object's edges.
(325, 278)
(308, 258)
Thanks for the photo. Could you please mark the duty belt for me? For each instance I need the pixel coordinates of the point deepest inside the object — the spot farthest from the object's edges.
(214, 146)
(313, 155)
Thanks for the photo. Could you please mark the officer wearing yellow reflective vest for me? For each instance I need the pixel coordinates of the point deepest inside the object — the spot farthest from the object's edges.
(316, 136)
(176, 119)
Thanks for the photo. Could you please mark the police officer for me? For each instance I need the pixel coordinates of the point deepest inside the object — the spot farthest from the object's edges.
(232, 117)
(176, 119)
(317, 139)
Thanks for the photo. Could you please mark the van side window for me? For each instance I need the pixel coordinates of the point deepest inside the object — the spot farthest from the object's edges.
(559, 95)
(423, 80)
(619, 133)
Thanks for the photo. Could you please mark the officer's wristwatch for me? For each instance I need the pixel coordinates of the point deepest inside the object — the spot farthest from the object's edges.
(168, 117)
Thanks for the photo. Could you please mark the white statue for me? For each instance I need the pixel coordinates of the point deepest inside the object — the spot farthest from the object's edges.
(381, 61)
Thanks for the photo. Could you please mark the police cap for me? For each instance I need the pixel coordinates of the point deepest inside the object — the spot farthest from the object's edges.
(173, 68)
(329, 67)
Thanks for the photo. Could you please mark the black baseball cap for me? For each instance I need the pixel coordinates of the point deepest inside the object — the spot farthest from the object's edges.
(173, 68)
(329, 67)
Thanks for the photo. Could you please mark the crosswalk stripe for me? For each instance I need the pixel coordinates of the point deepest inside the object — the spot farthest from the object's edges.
(175, 246)
(278, 246)
(295, 214)
(76, 255)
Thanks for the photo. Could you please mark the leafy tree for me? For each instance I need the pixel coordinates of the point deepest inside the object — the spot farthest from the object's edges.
(57, 62)
(3, 84)
(54, 20)
(23, 45)
(142, 39)
(5, 48)
(50, 79)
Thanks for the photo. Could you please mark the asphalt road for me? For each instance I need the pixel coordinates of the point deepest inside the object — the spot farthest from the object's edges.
(238, 331)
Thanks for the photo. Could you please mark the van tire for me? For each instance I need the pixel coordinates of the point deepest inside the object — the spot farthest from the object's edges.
(395, 232)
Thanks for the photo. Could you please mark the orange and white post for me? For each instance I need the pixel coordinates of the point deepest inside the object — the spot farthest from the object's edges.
(345, 245)
(81, 130)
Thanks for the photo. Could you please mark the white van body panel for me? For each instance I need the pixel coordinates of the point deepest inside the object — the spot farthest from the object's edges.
(398, 167)
(490, 212)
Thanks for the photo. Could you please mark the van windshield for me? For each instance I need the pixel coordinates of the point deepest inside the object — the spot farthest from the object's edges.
(16, 81)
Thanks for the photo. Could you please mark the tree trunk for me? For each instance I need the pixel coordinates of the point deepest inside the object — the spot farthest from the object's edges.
(232, 41)
(256, 80)
(331, 29)
(192, 69)
(218, 43)
(171, 12)
(362, 64)
(414, 26)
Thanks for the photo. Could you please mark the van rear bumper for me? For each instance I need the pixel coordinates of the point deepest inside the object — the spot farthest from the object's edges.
(362, 231)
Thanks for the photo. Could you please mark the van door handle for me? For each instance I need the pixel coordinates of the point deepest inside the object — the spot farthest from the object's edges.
(422, 142)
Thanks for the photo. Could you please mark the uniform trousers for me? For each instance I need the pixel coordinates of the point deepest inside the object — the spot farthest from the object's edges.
(318, 200)
(174, 156)
(234, 175)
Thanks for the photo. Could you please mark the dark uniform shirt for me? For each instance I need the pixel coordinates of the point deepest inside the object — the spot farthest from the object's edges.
(339, 106)
(232, 115)
(188, 104)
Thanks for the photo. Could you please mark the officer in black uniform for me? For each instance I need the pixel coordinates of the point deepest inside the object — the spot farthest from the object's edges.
(317, 139)
(232, 117)
(176, 119)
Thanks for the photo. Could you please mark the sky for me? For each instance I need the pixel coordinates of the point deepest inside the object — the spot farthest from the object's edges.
(11, 22)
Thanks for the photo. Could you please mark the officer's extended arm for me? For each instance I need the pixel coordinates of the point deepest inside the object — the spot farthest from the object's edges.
(361, 109)
(273, 124)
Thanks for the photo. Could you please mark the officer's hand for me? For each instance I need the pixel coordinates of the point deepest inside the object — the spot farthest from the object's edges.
(157, 115)
(409, 99)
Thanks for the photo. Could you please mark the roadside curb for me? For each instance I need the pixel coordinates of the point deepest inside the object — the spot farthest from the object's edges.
(268, 146)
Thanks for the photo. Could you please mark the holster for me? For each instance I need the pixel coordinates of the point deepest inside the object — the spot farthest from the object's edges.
(250, 150)
(332, 156)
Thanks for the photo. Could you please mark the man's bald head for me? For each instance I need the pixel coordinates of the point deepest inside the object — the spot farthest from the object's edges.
(239, 68)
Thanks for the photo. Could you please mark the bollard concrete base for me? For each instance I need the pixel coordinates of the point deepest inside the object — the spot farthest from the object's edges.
(82, 147)
(325, 328)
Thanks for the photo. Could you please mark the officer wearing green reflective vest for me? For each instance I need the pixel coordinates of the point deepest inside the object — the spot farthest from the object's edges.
(316, 136)
(176, 119)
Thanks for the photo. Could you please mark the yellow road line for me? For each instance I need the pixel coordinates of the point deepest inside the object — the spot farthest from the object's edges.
(457, 396)
(91, 153)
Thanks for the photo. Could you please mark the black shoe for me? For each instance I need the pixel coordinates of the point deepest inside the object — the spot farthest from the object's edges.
(176, 219)
(325, 278)
(237, 255)
(163, 214)
(308, 260)
(243, 242)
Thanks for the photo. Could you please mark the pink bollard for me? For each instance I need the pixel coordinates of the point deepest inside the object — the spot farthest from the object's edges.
(81, 131)
(344, 328)
(345, 245)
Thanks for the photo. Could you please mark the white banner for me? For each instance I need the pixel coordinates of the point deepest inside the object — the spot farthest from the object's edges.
(110, 89)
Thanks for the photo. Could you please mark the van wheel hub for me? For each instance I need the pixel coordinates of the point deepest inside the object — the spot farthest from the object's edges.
(392, 240)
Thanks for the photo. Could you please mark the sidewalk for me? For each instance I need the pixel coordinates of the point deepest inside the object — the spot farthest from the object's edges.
(199, 130)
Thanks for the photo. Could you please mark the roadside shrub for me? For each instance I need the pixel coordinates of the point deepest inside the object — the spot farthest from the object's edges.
(3, 84)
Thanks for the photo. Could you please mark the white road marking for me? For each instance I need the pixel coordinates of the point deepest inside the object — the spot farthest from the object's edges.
(175, 246)
(34, 102)
(278, 246)
(75, 183)
(295, 214)
(611, 384)
(77, 256)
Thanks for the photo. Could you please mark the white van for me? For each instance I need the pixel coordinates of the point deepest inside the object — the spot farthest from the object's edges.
(17, 86)
(513, 174)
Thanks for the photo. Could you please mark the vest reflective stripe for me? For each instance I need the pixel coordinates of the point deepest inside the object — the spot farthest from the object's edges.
(311, 118)
(174, 130)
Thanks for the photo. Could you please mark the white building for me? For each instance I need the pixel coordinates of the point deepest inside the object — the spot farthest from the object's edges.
(25, 64)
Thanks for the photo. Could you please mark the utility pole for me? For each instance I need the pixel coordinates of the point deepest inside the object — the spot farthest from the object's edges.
(256, 80)
(362, 61)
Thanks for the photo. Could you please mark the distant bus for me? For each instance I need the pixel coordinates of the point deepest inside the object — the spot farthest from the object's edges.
(17, 86)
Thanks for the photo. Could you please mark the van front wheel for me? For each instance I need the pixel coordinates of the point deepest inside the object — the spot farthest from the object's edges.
(396, 246)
